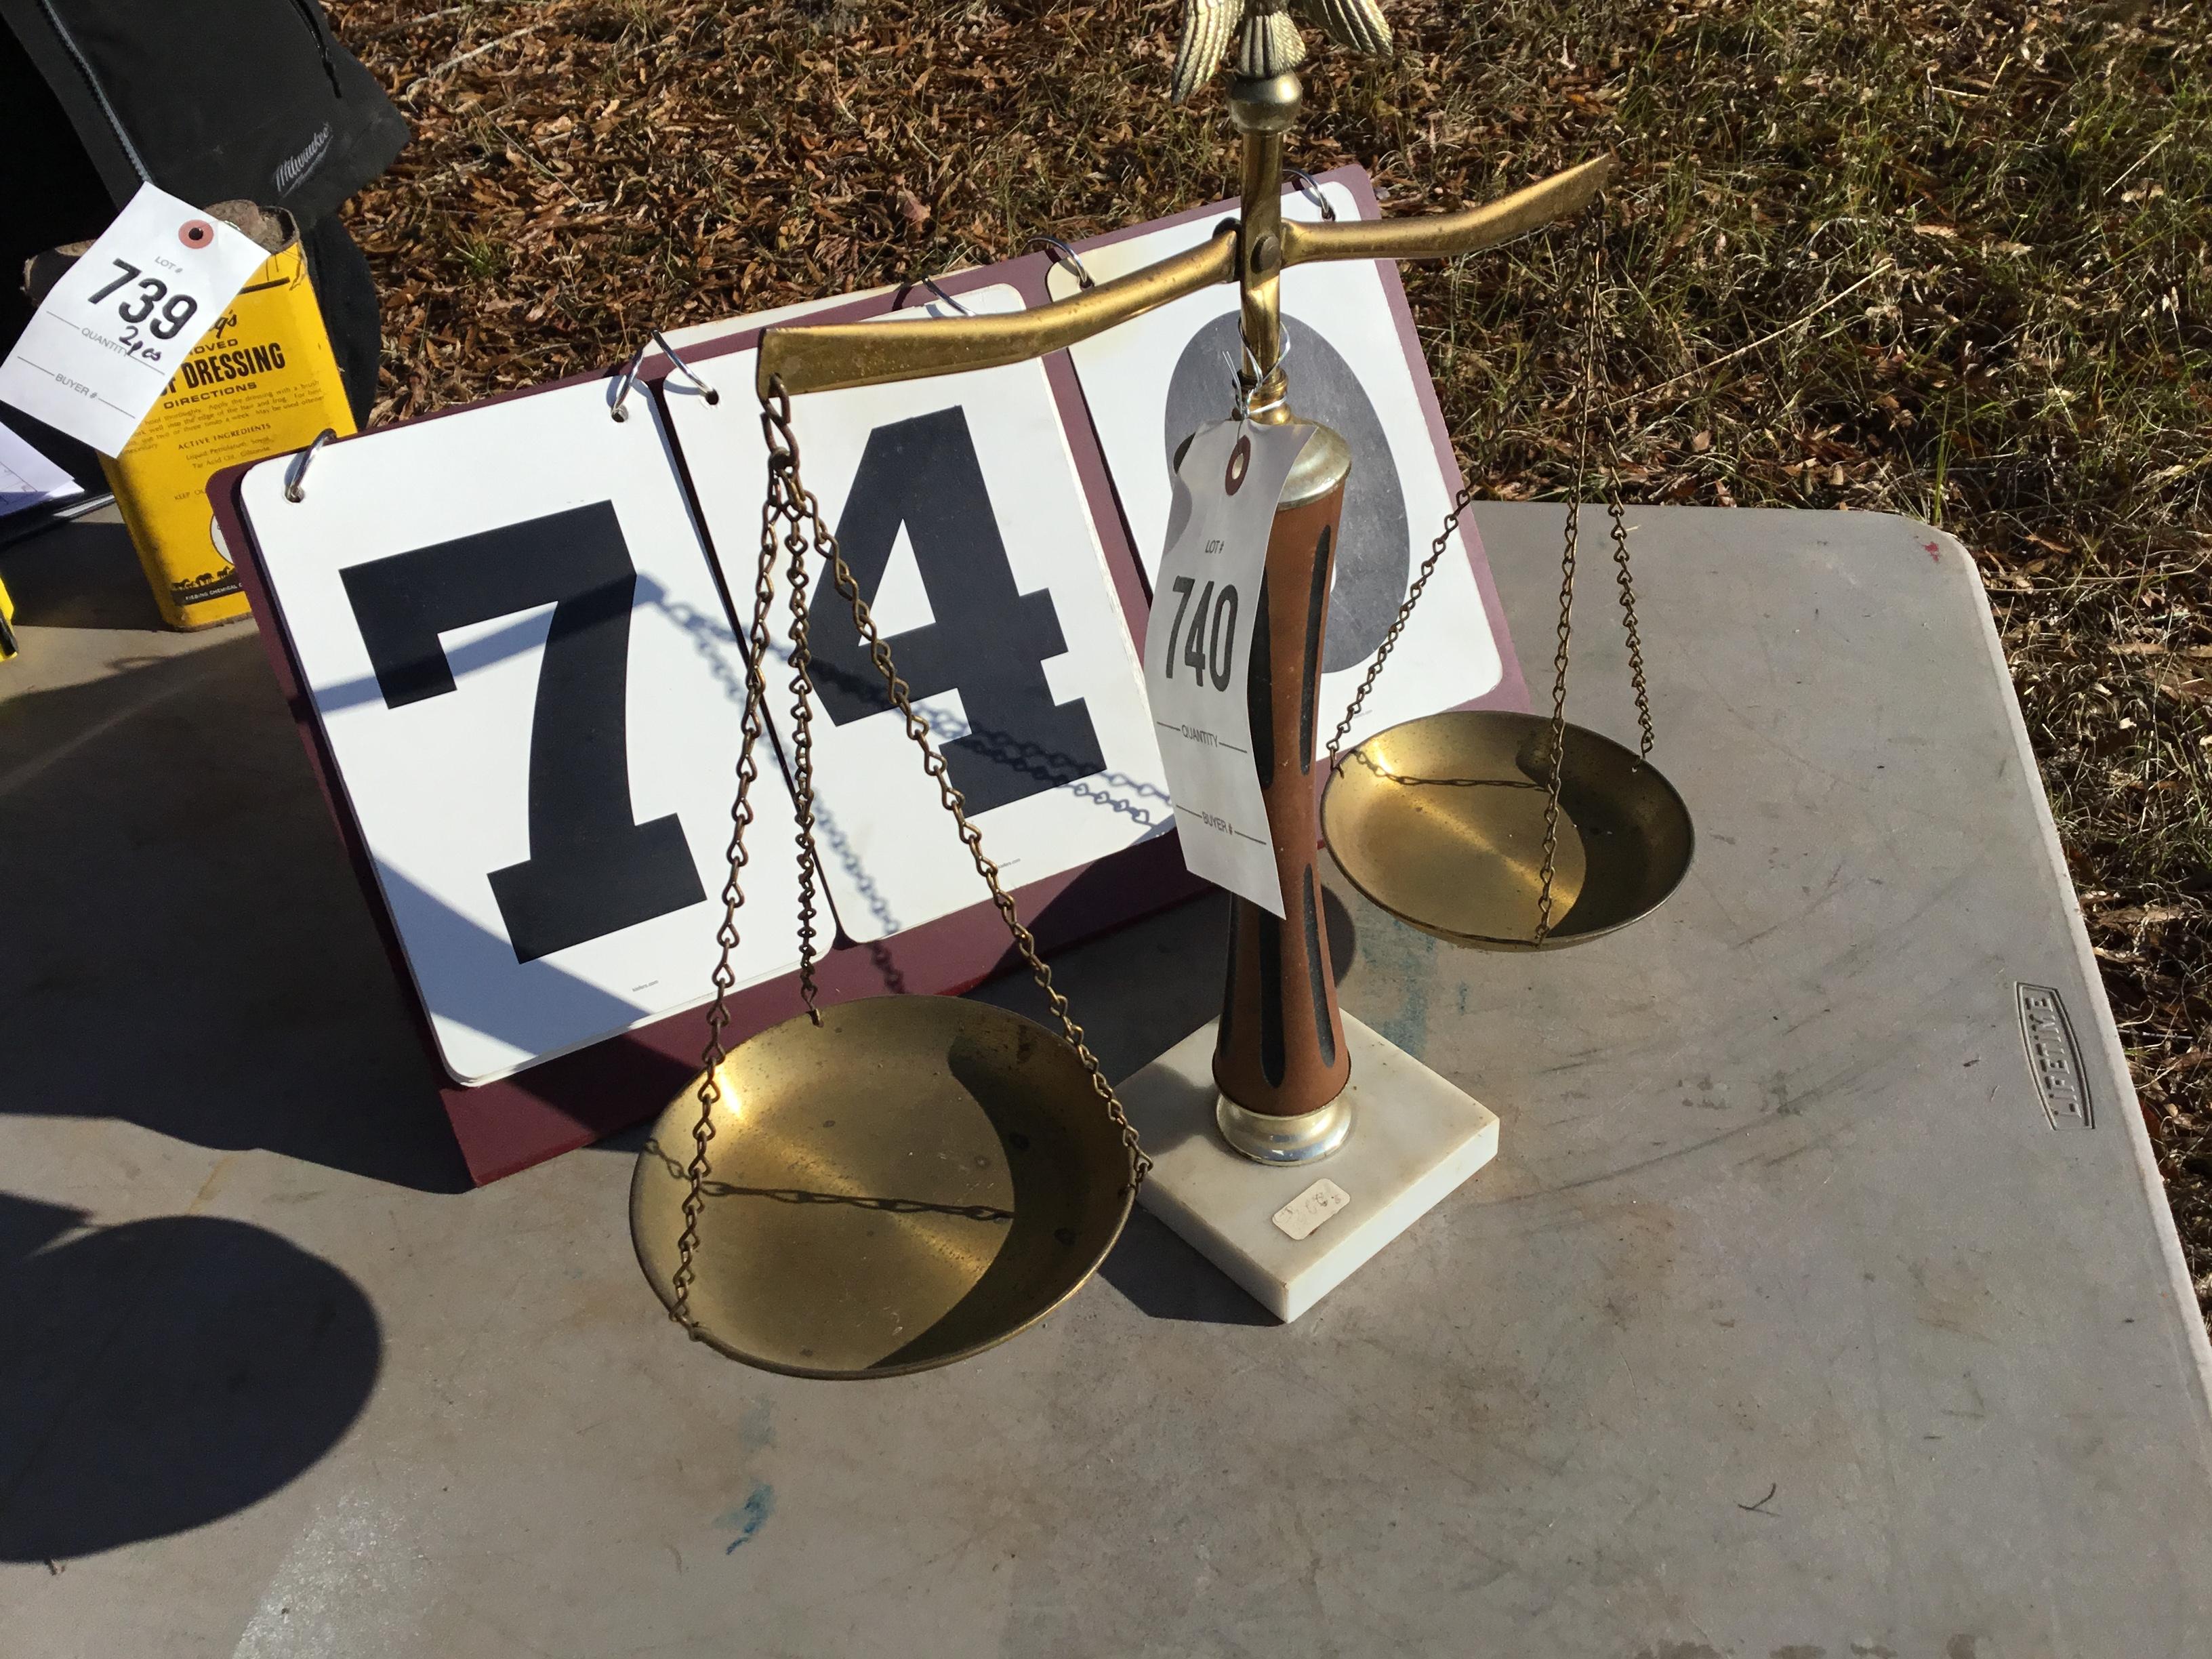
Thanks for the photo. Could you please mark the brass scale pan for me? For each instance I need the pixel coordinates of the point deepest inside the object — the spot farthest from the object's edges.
(1440, 821)
(913, 1182)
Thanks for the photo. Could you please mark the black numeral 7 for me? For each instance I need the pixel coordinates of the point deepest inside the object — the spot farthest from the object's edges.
(129, 274)
(593, 868)
(1183, 585)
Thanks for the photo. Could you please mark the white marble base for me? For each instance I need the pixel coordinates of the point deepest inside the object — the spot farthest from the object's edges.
(1291, 1234)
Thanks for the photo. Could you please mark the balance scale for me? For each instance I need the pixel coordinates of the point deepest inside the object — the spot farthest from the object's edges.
(891, 1184)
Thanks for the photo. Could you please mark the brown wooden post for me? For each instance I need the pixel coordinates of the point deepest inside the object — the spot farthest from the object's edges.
(1281, 1054)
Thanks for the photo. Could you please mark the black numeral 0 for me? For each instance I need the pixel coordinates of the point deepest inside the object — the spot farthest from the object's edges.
(989, 640)
(1209, 648)
(1222, 644)
(592, 870)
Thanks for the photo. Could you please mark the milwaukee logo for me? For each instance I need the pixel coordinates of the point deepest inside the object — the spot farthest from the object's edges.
(290, 172)
(2053, 1057)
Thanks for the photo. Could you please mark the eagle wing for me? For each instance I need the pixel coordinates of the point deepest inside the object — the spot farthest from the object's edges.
(1357, 24)
(1207, 26)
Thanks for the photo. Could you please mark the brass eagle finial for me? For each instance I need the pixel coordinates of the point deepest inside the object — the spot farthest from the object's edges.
(1269, 43)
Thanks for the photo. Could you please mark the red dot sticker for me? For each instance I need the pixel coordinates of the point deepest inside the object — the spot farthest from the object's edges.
(1240, 462)
(196, 233)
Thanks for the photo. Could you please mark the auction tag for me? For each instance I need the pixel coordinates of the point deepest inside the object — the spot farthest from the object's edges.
(1198, 649)
(106, 339)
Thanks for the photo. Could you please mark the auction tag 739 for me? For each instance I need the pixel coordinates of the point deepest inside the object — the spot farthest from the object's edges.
(106, 339)
(1198, 649)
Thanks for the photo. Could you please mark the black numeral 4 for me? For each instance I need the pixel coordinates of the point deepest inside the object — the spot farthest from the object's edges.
(989, 641)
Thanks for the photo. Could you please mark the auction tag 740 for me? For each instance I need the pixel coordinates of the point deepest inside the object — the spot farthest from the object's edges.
(1198, 649)
(106, 339)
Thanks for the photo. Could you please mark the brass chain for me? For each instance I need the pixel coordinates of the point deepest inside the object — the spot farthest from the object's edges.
(1460, 504)
(790, 502)
(1628, 624)
(802, 725)
(776, 508)
(1556, 739)
(1595, 323)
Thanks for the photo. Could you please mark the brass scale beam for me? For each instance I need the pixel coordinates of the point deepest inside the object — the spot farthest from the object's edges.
(833, 356)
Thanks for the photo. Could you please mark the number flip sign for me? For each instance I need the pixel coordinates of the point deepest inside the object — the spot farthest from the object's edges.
(958, 508)
(1352, 364)
(519, 657)
(112, 332)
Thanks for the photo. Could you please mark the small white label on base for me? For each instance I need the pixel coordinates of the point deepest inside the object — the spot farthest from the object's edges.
(1302, 1214)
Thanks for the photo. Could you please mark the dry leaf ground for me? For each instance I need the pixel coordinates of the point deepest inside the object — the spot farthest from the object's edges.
(1946, 259)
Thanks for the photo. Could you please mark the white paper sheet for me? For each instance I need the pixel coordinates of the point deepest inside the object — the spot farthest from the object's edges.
(28, 478)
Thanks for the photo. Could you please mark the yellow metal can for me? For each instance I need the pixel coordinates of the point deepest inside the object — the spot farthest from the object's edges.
(263, 382)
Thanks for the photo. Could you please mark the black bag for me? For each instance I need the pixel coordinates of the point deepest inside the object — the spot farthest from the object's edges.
(212, 100)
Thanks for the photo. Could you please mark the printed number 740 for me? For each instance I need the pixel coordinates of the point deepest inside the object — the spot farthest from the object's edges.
(1210, 644)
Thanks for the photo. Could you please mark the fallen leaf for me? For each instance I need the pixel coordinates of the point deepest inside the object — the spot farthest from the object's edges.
(2147, 915)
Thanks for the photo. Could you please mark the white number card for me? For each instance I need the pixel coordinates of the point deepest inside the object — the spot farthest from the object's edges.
(958, 506)
(105, 340)
(516, 649)
(1198, 650)
(1151, 382)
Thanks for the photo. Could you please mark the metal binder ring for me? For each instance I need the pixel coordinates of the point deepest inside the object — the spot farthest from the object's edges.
(297, 472)
(1311, 191)
(619, 391)
(684, 368)
(1066, 259)
(898, 300)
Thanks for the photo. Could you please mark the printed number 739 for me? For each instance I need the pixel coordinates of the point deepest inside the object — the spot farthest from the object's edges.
(152, 291)
(1210, 644)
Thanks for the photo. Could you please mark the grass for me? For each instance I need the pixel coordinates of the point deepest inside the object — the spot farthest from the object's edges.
(1952, 260)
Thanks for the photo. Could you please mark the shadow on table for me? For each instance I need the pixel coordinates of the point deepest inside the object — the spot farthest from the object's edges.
(160, 1375)
(1138, 992)
(79, 575)
(1165, 1278)
(186, 947)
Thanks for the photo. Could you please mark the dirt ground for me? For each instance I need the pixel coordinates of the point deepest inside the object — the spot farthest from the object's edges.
(1952, 260)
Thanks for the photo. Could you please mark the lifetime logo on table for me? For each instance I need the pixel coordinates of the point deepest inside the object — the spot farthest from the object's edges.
(2053, 1056)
